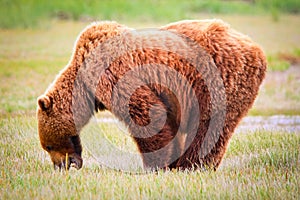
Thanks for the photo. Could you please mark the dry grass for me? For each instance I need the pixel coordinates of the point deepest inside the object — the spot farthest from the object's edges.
(279, 94)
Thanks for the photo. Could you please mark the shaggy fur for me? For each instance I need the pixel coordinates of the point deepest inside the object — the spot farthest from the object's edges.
(164, 121)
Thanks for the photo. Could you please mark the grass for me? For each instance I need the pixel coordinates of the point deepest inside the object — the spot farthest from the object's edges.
(259, 165)
(32, 13)
(277, 64)
(282, 61)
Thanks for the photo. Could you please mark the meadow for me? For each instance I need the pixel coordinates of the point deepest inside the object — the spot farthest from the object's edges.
(261, 164)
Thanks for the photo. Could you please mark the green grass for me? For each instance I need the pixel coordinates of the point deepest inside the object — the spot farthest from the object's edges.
(259, 165)
(32, 13)
(277, 64)
(282, 61)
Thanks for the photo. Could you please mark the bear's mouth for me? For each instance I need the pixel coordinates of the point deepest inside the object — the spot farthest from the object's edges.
(73, 160)
(71, 157)
(76, 163)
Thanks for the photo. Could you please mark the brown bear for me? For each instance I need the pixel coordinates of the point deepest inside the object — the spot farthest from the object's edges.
(180, 89)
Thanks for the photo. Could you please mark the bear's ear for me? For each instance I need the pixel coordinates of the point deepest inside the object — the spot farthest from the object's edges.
(44, 102)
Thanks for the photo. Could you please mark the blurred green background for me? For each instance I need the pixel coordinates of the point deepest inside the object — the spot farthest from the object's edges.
(30, 13)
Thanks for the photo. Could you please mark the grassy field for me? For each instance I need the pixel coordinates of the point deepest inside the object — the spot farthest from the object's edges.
(260, 165)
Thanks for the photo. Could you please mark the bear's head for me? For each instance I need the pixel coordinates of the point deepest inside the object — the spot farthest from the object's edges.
(58, 134)
(61, 111)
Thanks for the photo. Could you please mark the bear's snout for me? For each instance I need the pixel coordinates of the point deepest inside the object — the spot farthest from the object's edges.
(65, 151)
(64, 162)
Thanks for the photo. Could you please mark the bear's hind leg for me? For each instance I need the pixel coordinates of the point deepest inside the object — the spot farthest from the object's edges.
(157, 150)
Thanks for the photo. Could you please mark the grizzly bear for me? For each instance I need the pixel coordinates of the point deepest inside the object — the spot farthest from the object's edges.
(181, 90)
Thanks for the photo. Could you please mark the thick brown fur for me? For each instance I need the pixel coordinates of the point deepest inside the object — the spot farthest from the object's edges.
(241, 64)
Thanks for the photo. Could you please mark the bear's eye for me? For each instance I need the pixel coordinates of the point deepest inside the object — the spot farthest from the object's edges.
(49, 148)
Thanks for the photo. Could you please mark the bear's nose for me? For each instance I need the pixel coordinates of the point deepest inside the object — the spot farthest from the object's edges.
(76, 162)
